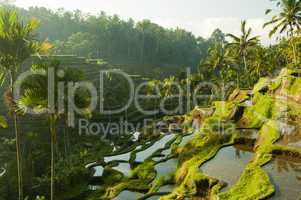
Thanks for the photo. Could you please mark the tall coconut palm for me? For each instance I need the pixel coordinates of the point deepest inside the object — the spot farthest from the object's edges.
(35, 97)
(288, 20)
(243, 43)
(17, 43)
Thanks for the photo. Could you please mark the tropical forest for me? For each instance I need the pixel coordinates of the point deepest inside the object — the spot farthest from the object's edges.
(107, 105)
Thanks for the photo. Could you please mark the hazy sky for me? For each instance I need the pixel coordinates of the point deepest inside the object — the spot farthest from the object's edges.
(198, 16)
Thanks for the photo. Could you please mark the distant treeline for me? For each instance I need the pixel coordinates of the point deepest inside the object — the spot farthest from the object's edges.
(117, 40)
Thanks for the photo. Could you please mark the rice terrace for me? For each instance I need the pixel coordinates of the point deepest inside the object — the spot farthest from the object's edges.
(150, 100)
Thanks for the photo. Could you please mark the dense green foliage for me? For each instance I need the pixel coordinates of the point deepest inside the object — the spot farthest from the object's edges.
(17, 43)
(228, 61)
(117, 40)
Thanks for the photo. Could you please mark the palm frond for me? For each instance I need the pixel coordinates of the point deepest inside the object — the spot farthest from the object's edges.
(289, 17)
(274, 20)
(273, 31)
(235, 38)
(243, 27)
(268, 11)
(32, 99)
(17, 39)
(254, 39)
(248, 33)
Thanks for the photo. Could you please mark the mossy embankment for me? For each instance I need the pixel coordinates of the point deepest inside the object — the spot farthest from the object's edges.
(269, 107)
(139, 181)
(254, 183)
(274, 105)
(271, 104)
(188, 177)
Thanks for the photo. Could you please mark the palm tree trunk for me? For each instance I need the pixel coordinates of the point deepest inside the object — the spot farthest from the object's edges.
(293, 44)
(18, 141)
(53, 143)
(246, 70)
(19, 157)
(65, 141)
(52, 167)
(294, 51)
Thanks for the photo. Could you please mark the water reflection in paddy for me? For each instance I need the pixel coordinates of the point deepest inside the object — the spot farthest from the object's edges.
(124, 168)
(228, 164)
(163, 155)
(186, 139)
(142, 155)
(167, 152)
(167, 188)
(98, 171)
(166, 168)
(127, 195)
(286, 177)
(121, 157)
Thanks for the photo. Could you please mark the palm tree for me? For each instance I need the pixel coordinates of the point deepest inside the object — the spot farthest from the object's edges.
(35, 96)
(288, 20)
(218, 59)
(243, 43)
(219, 63)
(17, 43)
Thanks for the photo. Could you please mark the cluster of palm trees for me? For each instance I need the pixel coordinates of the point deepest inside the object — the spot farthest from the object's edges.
(36, 98)
(224, 57)
(245, 49)
(18, 43)
(243, 58)
(288, 20)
